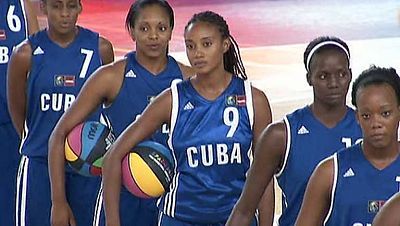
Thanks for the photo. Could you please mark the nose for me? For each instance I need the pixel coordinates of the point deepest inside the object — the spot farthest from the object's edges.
(198, 53)
(375, 121)
(153, 34)
(333, 81)
(65, 12)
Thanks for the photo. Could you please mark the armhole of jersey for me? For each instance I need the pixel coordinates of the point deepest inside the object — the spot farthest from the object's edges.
(174, 112)
(335, 176)
(287, 150)
(25, 18)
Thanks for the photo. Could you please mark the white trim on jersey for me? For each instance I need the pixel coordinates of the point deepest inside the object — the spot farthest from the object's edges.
(159, 218)
(24, 135)
(170, 197)
(250, 112)
(335, 177)
(25, 19)
(20, 207)
(98, 207)
(105, 120)
(288, 143)
(249, 101)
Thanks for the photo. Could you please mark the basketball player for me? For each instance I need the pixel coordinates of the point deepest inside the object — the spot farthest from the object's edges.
(389, 214)
(45, 74)
(18, 19)
(214, 118)
(125, 88)
(351, 186)
(292, 148)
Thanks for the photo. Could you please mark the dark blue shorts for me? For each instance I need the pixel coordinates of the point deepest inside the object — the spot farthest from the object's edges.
(33, 194)
(164, 220)
(133, 211)
(8, 169)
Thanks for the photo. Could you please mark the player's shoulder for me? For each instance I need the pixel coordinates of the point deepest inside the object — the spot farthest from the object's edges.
(325, 167)
(24, 50)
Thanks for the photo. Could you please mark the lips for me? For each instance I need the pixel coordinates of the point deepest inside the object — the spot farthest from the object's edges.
(65, 24)
(199, 64)
(377, 136)
(153, 46)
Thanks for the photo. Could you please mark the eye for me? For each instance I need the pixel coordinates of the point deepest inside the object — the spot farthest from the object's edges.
(72, 6)
(365, 116)
(143, 28)
(386, 114)
(56, 6)
(163, 28)
(342, 74)
(189, 46)
(322, 76)
(207, 44)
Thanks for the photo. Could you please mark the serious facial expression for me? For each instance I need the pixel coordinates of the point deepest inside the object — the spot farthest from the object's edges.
(62, 15)
(378, 114)
(205, 47)
(330, 77)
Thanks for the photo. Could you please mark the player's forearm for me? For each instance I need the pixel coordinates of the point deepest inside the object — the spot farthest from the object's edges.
(111, 188)
(56, 161)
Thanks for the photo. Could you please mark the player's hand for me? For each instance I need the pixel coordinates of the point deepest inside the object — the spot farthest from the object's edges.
(61, 215)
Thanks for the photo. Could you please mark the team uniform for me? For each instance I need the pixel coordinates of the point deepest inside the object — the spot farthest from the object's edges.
(139, 87)
(211, 143)
(309, 142)
(56, 76)
(359, 189)
(13, 30)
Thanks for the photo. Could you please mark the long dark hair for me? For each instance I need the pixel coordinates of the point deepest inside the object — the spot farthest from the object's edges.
(232, 59)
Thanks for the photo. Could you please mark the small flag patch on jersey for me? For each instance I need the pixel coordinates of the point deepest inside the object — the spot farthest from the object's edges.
(69, 80)
(375, 205)
(64, 80)
(3, 34)
(236, 100)
(349, 173)
(241, 100)
(303, 130)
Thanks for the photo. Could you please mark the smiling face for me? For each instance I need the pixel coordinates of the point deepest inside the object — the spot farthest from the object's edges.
(152, 31)
(330, 77)
(205, 47)
(378, 114)
(62, 15)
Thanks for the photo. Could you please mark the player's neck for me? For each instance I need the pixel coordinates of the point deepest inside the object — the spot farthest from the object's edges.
(61, 39)
(211, 85)
(380, 158)
(328, 116)
(155, 65)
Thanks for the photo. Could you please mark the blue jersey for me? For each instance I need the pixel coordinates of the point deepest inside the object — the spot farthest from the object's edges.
(12, 32)
(211, 143)
(55, 79)
(138, 88)
(359, 189)
(309, 142)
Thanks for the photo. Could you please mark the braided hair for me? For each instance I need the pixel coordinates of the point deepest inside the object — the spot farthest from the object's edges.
(232, 60)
